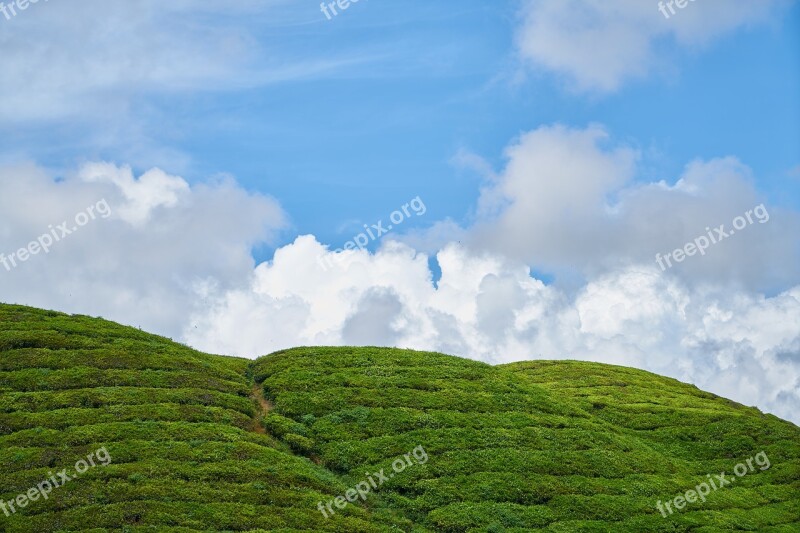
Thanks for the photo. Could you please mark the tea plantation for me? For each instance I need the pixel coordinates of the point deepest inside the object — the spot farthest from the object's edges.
(210, 443)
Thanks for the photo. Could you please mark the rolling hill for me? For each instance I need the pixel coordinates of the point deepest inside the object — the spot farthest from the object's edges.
(366, 439)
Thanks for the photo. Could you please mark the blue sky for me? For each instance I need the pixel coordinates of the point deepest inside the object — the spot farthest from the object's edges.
(560, 148)
(420, 82)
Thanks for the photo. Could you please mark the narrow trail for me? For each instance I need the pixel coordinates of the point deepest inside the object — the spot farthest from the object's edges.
(264, 407)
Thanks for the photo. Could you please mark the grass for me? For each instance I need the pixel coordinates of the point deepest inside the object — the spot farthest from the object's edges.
(210, 443)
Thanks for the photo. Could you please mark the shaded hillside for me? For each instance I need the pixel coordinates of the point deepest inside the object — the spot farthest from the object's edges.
(211, 443)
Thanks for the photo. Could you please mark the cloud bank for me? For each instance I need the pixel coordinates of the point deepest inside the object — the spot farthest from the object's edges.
(735, 344)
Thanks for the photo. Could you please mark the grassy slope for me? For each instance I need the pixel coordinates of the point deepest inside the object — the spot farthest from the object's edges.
(560, 446)
(177, 423)
(557, 445)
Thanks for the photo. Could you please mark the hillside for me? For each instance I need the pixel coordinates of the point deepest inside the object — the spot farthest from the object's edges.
(200, 442)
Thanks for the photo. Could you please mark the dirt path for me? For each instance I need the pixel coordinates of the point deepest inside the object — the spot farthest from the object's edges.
(264, 407)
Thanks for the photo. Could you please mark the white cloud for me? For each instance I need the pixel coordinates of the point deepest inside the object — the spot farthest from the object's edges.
(96, 59)
(72, 58)
(104, 79)
(598, 45)
(153, 189)
(146, 263)
(568, 201)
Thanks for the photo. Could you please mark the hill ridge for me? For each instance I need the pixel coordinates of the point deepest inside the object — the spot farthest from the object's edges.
(213, 443)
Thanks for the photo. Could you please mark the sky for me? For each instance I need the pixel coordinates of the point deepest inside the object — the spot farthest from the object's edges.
(502, 180)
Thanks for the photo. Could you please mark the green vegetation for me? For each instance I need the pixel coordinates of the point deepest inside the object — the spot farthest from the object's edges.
(211, 443)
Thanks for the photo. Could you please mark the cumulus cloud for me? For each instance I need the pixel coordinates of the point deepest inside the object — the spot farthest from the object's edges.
(569, 200)
(153, 189)
(598, 45)
(149, 261)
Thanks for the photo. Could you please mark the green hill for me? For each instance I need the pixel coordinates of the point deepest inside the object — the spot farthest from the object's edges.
(185, 441)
